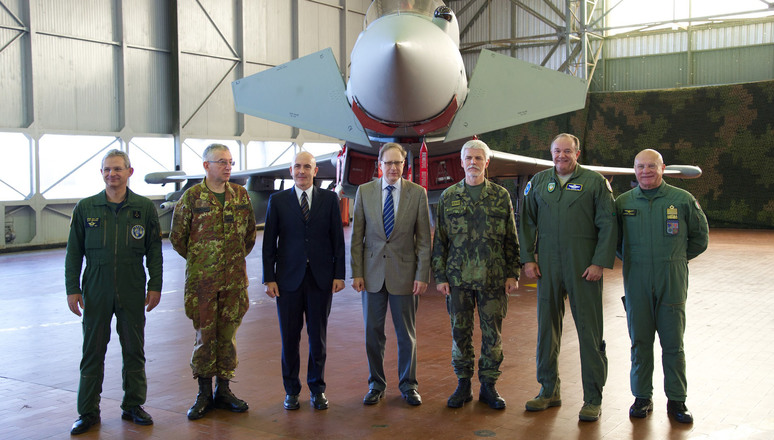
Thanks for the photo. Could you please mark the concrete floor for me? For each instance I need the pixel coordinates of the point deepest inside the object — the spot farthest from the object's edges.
(730, 359)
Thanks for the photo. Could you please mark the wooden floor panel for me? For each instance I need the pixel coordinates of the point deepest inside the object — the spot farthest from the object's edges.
(729, 352)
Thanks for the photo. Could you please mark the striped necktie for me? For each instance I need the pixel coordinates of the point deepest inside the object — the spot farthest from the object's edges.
(389, 212)
(305, 206)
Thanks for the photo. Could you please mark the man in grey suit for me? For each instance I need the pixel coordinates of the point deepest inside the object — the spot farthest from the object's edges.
(391, 241)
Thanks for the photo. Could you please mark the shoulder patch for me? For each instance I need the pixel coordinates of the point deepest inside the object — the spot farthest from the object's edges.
(528, 187)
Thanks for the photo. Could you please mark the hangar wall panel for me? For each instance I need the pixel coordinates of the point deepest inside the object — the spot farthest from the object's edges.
(75, 84)
(149, 101)
(268, 32)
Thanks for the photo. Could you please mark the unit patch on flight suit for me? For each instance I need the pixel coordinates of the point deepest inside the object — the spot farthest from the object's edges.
(551, 187)
(138, 231)
(575, 187)
(672, 223)
(92, 222)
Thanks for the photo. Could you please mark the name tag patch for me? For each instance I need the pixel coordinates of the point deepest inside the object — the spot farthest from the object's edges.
(575, 187)
(456, 203)
(629, 212)
(92, 222)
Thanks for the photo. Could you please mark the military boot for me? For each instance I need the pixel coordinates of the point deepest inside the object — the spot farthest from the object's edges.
(225, 399)
(461, 395)
(490, 396)
(203, 400)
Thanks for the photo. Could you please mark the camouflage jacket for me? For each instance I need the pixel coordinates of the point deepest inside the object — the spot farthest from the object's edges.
(475, 244)
(214, 239)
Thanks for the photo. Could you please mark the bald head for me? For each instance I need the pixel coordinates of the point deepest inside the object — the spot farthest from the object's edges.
(649, 169)
(304, 170)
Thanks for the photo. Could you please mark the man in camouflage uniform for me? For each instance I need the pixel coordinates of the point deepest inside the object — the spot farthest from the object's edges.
(660, 228)
(213, 228)
(114, 230)
(476, 262)
(568, 220)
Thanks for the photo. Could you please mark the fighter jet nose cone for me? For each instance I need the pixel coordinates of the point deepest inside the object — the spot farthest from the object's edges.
(405, 69)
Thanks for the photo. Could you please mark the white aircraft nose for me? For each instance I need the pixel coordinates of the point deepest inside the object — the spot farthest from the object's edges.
(405, 69)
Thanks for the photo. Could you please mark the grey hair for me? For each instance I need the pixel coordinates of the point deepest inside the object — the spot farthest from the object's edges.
(476, 144)
(209, 152)
(118, 153)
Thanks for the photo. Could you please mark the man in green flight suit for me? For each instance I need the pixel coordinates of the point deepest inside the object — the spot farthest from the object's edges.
(568, 220)
(476, 263)
(114, 230)
(213, 228)
(660, 228)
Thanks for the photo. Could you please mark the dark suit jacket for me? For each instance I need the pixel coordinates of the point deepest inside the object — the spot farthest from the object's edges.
(288, 242)
(404, 257)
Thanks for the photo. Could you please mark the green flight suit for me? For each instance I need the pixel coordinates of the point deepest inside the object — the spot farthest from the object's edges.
(214, 239)
(658, 236)
(569, 227)
(475, 249)
(114, 245)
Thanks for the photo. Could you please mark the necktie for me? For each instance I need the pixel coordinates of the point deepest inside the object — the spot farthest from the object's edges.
(389, 212)
(305, 206)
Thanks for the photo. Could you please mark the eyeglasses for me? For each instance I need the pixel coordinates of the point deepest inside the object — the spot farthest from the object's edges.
(393, 163)
(223, 162)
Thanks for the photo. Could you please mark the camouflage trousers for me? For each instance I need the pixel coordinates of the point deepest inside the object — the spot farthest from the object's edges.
(216, 317)
(492, 307)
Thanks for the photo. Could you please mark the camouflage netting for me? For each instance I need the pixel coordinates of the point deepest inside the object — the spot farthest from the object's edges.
(728, 131)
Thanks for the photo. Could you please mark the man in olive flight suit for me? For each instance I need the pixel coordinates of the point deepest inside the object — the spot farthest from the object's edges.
(476, 263)
(661, 228)
(213, 228)
(114, 230)
(568, 220)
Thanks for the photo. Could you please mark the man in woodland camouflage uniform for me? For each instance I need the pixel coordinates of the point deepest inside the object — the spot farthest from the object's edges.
(214, 230)
(476, 262)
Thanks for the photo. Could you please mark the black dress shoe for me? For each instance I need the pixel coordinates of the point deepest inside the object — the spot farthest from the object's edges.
(84, 423)
(490, 396)
(291, 401)
(640, 408)
(137, 415)
(373, 397)
(679, 412)
(412, 397)
(319, 401)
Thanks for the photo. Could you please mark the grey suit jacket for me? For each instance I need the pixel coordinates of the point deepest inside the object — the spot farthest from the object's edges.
(404, 257)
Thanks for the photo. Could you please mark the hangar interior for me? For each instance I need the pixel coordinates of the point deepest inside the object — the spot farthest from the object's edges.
(153, 78)
(80, 77)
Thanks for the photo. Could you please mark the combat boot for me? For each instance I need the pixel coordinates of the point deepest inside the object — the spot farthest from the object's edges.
(461, 395)
(225, 399)
(203, 402)
(490, 396)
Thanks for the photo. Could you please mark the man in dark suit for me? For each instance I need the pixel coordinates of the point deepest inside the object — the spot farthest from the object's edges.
(303, 266)
(391, 241)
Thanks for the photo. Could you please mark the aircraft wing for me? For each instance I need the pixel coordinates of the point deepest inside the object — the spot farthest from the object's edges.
(507, 165)
(326, 164)
(307, 93)
(505, 91)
